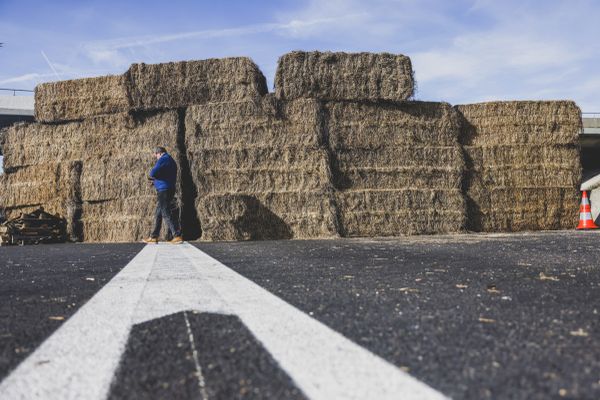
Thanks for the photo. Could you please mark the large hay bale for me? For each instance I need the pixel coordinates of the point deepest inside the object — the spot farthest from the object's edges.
(261, 170)
(523, 165)
(425, 177)
(249, 124)
(150, 87)
(180, 84)
(389, 212)
(520, 122)
(344, 76)
(533, 208)
(354, 125)
(81, 98)
(119, 220)
(268, 215)
(35, 185)
(34, 143)
(370, 223)
(116, 177)
(397, 168)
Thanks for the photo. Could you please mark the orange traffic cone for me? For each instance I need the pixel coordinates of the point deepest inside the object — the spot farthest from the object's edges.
(585, 214)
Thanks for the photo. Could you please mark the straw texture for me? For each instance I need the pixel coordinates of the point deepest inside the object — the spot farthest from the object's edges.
(397, 168)
(344, 76)
(523, 165)
(261, 170)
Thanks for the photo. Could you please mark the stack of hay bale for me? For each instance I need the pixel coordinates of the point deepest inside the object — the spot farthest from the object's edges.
(397, 164)
(41, 169)
(339, 149)
(523, 167)
(83, 127)
(261, 170)
(89, 154)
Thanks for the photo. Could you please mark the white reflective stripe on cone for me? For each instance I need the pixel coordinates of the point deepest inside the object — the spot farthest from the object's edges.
(586, 216)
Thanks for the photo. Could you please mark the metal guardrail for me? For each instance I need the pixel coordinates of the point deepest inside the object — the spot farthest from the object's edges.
(16, 90)
(591, 123)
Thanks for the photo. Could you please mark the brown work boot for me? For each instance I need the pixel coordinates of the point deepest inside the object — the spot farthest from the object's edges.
(176, 240)
(150, 240)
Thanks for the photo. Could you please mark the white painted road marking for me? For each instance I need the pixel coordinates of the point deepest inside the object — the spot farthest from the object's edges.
(79, 360)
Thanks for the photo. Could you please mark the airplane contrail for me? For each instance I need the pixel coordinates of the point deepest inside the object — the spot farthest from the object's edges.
(50, 64)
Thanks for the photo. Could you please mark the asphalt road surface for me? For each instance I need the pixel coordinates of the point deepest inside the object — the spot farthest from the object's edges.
(462, 316)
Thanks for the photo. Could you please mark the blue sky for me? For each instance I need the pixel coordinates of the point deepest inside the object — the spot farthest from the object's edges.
(462, 51)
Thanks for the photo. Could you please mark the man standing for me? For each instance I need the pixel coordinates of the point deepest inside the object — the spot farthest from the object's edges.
(164, 176)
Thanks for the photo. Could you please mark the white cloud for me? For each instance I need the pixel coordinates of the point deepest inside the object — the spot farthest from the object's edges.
(101, 47)
(25, 78)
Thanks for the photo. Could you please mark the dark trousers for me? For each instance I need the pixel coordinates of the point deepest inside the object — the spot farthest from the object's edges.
(166, 208)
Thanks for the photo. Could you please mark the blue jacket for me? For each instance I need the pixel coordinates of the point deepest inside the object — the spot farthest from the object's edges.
(164, 173)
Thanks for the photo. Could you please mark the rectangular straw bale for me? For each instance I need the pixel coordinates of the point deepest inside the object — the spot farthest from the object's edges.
(535, 208)
(248, 124)
(424, 177)
(523, 165)
(400, 212)
(344, 76)
(531, 198)
(253, 157)
(275, 215)
(262, 179)
(481, 157)
(34, 143)
(143, 205)
(520, 122)
(138, 132)
(403, 222)
(354, 125)
(119, 220)
(181, 84)
(116, 177)
(39, 184)
(400, 199)
(283, 202)
(526, 176)
(401, 156)
(118, 229)
(81, 98)
(244, 155)
(53, 186)
(555, 218)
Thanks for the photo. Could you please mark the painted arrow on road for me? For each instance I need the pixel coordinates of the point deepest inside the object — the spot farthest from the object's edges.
(80, 359)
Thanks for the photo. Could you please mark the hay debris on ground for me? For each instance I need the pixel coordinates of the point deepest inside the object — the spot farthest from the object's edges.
(523, 166)
(344, 76)
(397, 168)
(180, 84)
(81, 98)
